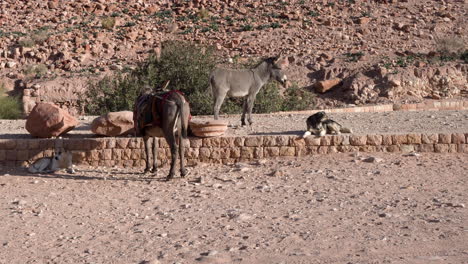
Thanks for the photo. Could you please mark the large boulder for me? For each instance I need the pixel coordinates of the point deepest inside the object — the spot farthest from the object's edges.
(113, 124)
(48, 120)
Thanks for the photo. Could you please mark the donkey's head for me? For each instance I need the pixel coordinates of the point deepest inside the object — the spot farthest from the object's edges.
(277, 65)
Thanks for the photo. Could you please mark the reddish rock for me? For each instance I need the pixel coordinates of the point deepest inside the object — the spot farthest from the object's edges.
(113, 124)
(48, 120)
(363, 20)
(326, 85)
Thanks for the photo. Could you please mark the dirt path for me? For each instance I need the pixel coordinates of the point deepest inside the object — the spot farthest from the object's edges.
(339, 208)
(361, 123)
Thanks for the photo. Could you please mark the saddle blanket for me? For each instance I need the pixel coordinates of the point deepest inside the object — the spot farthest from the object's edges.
(148, 110)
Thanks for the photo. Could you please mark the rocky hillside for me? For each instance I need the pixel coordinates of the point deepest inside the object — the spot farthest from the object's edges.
(370, 51)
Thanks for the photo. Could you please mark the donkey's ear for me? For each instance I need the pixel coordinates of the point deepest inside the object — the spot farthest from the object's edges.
(281, 62)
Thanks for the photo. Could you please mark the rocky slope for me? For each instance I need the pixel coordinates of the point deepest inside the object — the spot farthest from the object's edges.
(380, 50)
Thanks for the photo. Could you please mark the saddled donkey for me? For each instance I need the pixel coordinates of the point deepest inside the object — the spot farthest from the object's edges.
(245, 82)
(157, 115)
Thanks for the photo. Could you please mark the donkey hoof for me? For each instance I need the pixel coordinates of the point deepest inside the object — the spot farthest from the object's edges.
(169, 177)
(184, 172)
(148, 170)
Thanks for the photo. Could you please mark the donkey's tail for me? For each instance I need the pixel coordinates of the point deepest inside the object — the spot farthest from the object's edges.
(209, 89)
(183, 115)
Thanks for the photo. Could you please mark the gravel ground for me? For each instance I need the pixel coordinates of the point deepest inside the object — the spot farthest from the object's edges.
(272, 124)
(338, 208)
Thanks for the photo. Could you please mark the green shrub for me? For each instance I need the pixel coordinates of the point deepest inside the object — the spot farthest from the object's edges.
(203, 14)
(129, 24)
(353, 57)
(37, 70)
(40, 36)
(108, 22)
(464, 56)
(26, 43)
(110, 94)
(10, 107)
(247, 27)
(297, 99)
(187, 67)
(269, 99)
(37, 37)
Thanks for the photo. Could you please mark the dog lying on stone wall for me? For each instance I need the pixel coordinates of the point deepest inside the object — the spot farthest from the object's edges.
(319, 124)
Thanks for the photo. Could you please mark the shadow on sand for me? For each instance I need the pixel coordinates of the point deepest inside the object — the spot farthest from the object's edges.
(81, 175)
(282, 133)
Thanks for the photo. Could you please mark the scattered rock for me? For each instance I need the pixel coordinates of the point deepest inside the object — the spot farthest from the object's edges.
(373, 160)
(277, 173)
(323, 86)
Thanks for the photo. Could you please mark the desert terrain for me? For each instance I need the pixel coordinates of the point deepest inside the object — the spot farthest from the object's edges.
(337, 208)
(379, 51)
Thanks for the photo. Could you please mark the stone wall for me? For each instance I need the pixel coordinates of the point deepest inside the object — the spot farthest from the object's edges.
(129, 152)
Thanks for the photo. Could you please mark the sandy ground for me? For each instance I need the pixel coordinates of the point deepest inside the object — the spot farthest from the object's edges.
(339, 208)
(294, 124)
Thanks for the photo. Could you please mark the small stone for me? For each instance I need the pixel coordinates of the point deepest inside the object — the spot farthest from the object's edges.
(11, 64)
(277, 173)
(154, 261)
(217, 186)
(372, 160)
(245, 217)
(212, 253)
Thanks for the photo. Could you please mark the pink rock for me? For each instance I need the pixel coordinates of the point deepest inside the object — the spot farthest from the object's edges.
(48, 120)
(113, 124)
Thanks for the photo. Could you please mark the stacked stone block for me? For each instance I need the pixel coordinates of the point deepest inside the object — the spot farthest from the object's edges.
(129, 152)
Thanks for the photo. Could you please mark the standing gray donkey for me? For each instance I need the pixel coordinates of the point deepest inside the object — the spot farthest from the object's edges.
(245, 82)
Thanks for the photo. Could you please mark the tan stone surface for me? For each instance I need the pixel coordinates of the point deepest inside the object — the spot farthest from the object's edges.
(113, 124)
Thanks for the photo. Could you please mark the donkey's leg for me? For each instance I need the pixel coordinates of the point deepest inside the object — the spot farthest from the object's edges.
(244, 110)
(219, 99)
(146, 139)
(250, 105)
(183, 170)
(171, 140)
(155, 154)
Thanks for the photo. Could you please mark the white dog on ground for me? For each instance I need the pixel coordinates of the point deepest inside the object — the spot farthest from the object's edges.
(60, 160)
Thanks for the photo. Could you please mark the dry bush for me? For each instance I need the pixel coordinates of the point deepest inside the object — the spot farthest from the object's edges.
(26, 42)
(108, 23)
(36, 70)
(450, 46)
